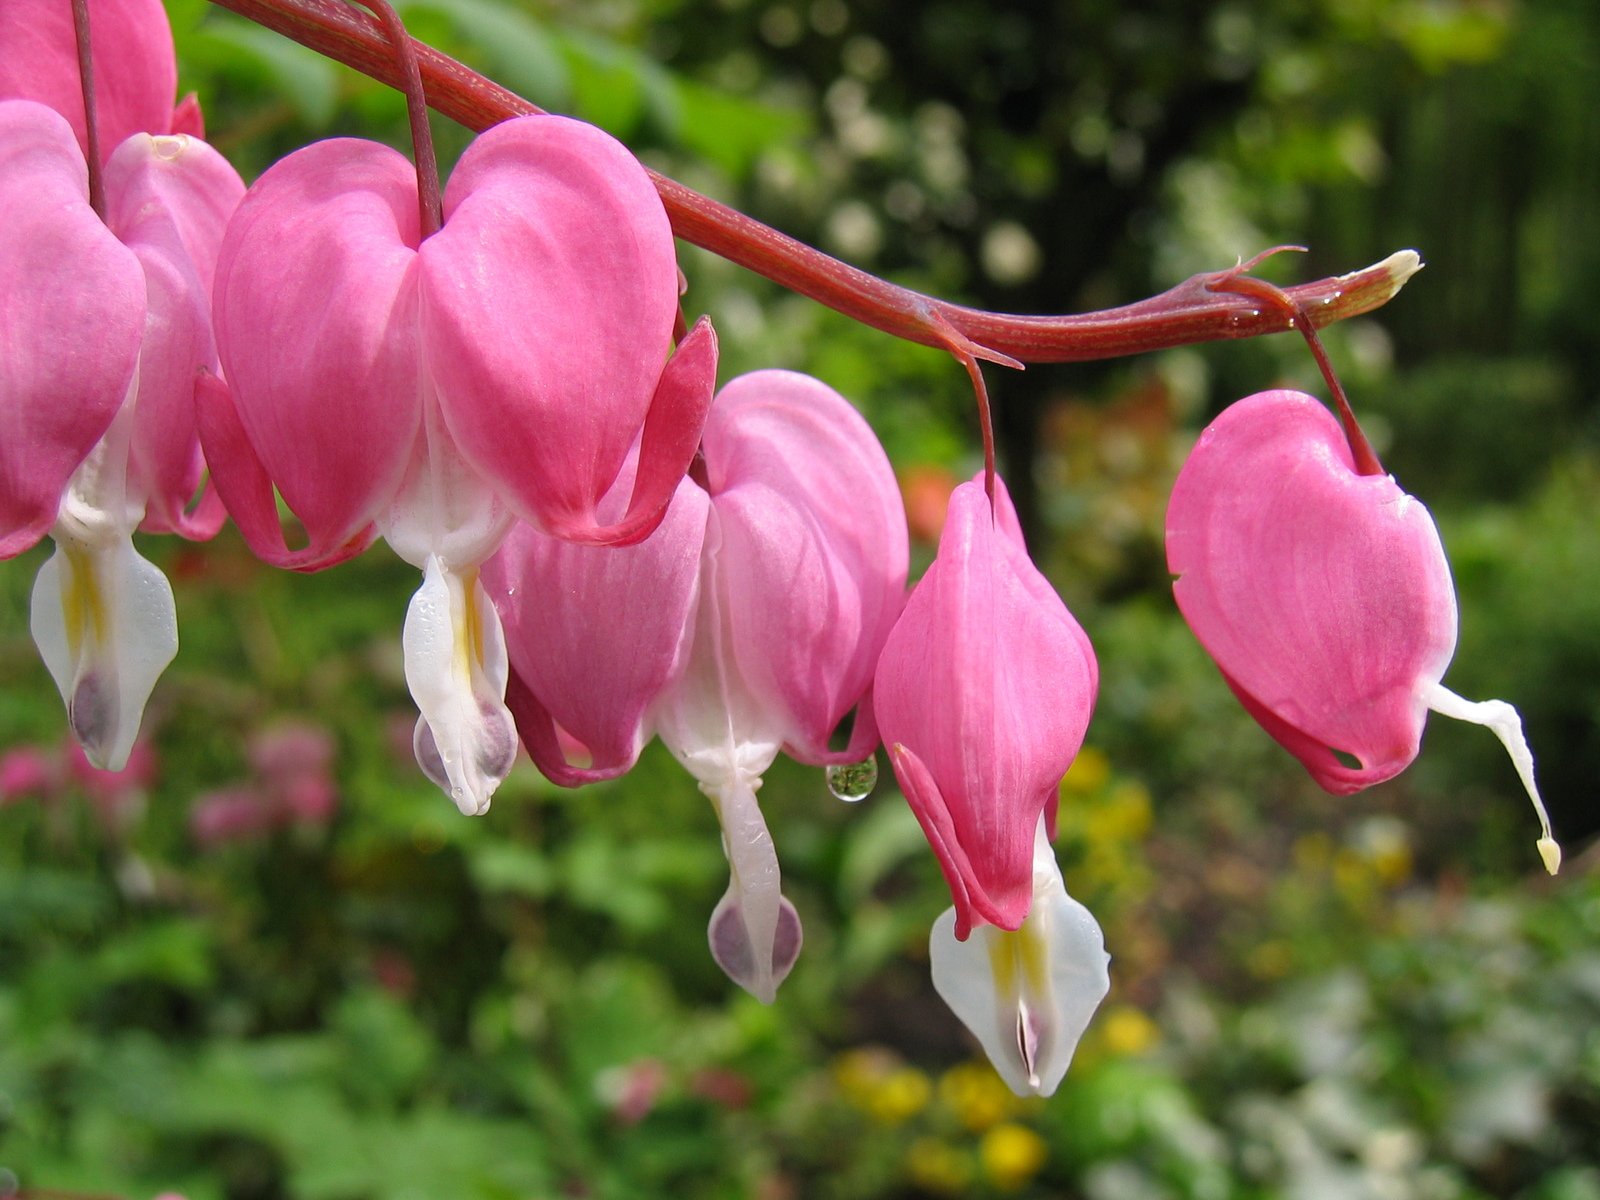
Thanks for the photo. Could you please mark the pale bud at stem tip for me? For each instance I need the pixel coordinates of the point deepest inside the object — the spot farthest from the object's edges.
(1399, 266)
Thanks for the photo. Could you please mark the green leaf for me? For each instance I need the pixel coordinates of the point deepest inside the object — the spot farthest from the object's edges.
(516, 50)
(309, 81)
(732, 131)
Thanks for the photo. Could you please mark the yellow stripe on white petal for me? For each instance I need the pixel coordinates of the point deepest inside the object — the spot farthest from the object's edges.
(1028, 995)
(102, 616)
(106, 626)
(455, 660)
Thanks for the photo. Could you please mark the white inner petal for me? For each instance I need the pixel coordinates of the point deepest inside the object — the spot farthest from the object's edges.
(1028, 995)
(456, 667)
(102, 616)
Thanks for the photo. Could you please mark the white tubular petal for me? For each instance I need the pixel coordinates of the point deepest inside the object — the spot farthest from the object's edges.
(1507, 726)
(106, 626)
(1026, 996)
(455, 658)
(754, 932)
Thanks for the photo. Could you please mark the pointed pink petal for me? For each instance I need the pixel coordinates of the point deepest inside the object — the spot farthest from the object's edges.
(72, 305)
(246, 491)
(1323, 595)
(595, 633)
(187, 118)
(549, 298)
(972, 907)
(668, 444)
(812, 585)
(135, 71)
(317, 328)
(989, 682)
(168, 200)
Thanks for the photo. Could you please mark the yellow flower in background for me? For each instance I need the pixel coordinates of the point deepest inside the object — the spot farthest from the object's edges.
(1125, 1031)
(902, 1095)
(937, 1166)
(1012, 1155)
(880, 1085)
(976, 1096)
(1089, 773)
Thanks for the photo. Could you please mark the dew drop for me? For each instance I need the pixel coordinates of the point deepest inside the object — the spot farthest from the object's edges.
(852, 782)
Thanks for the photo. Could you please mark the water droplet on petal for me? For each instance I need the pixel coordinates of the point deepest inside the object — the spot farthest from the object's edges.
(853, 782)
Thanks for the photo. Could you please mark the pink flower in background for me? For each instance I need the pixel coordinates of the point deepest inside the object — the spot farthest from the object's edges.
(1323, 595)
(116, 797)
(232, 814)
(27, 773)
(983, 694)
(293, 785)
(431, 389)
(748, 623)
(135, 69)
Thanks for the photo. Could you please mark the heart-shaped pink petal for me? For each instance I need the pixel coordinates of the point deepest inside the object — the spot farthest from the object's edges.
(1323, 595)
(549, 299)
(72, 311)
(135, 70)
(317, 314)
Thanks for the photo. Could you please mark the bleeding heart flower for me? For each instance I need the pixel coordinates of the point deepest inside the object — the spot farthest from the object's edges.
(135, 69)
(1323, 595)
(749, 622)
(983, 695)
(431, 389)
(107, 323)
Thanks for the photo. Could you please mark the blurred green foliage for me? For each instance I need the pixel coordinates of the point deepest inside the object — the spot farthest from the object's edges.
(1313, 998)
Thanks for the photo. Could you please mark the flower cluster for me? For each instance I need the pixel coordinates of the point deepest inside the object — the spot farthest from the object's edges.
(499, 383)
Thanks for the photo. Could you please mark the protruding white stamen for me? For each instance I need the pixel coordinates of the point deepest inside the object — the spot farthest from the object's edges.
(754, 932)
(1504, 720)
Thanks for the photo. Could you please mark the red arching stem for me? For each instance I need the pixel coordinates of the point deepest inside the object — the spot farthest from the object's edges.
(1240, 284)
(97, 184)
(430, 209)
(1188, 313)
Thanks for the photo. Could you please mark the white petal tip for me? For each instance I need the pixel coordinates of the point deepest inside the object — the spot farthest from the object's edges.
(1550, 852)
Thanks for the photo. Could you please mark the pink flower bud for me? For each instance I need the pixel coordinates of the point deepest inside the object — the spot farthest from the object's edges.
(983, 694)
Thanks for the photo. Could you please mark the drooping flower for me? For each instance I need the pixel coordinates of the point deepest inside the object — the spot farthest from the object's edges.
(983, 695)
(1323, 595)
(135, 68)
(432, 389)
(749, 622)
(107, 323)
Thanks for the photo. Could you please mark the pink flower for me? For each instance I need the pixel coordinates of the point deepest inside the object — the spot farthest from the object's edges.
(749, 622)
(983, 695)
(135, 70)
(107, 323)
(433, 389)
(27, 771)
(235, 814)
(1323, 595)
